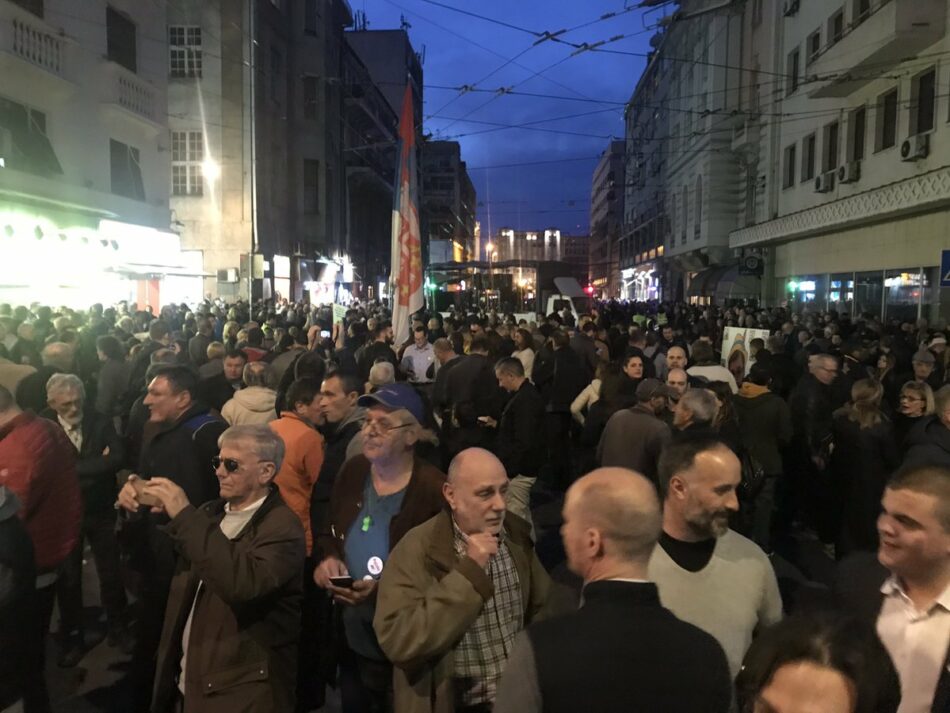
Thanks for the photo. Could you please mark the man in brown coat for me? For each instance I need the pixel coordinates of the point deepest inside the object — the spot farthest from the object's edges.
(232, 623)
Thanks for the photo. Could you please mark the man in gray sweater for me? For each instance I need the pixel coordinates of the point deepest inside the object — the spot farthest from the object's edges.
(707, 574)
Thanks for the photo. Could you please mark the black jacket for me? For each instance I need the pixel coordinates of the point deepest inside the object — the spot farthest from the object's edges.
(928, 443)
(472, 390)
(95, 469)
(519, 443)
(440, 394)
(628, 653)
(182, 452)
(370, 353)
(560, 376)
(31, 391)
(216, 391)
(857, 590)
(862, 461)
(586, 350)
(765, 425)
(812, 406)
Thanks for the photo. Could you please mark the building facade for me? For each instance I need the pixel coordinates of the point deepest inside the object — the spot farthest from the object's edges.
(255, 113)
(533, 246)
(856, 172)
(606, 221)
(448, 201)
(84, 171)
(683, 201)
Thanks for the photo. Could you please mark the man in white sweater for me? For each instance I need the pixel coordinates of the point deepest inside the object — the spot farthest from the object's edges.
(707, 574)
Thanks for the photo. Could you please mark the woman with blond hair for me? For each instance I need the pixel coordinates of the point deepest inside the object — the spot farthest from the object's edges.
(864, 456)
(916, 400)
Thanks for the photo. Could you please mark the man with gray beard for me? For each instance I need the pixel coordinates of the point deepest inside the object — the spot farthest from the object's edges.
(707, 574)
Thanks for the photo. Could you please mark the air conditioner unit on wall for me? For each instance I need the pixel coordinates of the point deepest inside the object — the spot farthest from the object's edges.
(849, 172)
(915, 147)
(229, 275)
(825, 182)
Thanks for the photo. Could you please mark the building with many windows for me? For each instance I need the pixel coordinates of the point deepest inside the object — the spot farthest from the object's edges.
(255, 113)
(84, 181)
(855, 170)
(533, 246)
(606, 221)
(447, 201)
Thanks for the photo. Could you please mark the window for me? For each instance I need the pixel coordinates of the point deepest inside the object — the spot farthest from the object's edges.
(126, 170)
(862, 8)
(311, 186)
(310, 97)
(187, 155)
(788, 167)
(808, 157)
(698, 212)
(756, 12)
(922, 101)
(829, 145)
(792, 69)
(276, 68)
(29, 147)
(34, 6)
(857, 123)
(184, 51)
(310, 16)
(120, 39)
(836, 27)
(814, 46)
(685, 213)
(886, 121)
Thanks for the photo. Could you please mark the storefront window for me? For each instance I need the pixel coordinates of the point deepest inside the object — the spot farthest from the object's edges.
(806, 292)
(841, 292)
(902, 294)
(935, 303)
(868, 292)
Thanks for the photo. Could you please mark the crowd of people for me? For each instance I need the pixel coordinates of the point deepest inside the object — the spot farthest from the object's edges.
(278, 503)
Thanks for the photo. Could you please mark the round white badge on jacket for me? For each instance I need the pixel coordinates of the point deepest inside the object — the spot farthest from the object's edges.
(374, 566)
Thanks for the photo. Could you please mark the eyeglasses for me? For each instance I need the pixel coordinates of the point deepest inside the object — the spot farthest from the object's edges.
(381, 427)
(908, 397)
(230, 465)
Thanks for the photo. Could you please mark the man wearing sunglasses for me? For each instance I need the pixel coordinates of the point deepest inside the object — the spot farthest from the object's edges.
(232, 623)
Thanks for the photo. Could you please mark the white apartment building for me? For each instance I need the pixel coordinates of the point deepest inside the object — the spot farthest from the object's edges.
(680, 123)
(84, 180)
(848, 189)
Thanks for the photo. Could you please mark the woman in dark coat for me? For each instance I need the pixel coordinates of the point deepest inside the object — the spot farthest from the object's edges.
(915, 402)
(863, 459)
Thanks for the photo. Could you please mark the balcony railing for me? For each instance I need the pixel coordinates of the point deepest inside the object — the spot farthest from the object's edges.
(131, 93)
(872, 43)
(28, 38)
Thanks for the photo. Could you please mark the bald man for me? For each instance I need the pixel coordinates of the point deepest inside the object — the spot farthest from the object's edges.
(709, 575)
(455, 592)
(621, 650)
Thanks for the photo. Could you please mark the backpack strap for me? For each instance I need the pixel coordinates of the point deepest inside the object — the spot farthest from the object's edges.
(196, 423)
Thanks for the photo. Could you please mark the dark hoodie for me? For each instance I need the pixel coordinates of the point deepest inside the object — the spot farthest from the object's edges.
(17, 580)
(765, 423)
(928, 443)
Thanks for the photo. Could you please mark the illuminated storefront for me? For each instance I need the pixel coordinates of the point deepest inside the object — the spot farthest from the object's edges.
(83, 261)
(641, 283)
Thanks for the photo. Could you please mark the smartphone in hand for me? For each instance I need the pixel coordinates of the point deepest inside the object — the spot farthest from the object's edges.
(343, 581)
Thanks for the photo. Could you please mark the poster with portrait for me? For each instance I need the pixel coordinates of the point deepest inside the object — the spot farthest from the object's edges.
(735, 349)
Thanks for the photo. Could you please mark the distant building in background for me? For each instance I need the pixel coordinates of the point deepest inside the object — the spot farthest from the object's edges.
(84, 147)
(550, 245)
(606, 221)
(273, 161)
(448, 202)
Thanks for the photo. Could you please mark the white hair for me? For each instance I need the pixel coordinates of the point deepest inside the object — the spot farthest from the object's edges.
(64, 382)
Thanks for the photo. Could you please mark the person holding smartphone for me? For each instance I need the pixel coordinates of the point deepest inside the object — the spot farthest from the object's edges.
(377, 497)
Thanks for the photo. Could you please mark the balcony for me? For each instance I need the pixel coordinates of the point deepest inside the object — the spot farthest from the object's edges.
(34, 56)
(889, 33)
(130, 97)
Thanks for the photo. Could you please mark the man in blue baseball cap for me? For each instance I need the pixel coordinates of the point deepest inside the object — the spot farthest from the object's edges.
(377, 498)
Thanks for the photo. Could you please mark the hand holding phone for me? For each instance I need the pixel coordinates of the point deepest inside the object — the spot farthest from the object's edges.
(342, 581)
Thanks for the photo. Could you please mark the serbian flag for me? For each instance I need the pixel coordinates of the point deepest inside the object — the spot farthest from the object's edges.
(406, 280)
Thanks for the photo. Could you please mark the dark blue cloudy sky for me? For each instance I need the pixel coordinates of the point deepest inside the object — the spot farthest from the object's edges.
(464, 50)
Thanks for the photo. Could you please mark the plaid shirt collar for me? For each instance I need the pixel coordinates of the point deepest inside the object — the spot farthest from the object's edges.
(481, 654)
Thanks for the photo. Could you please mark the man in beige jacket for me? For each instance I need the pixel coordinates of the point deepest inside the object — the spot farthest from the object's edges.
(455, 592)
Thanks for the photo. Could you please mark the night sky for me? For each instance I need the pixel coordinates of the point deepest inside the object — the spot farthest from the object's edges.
(463, 50)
